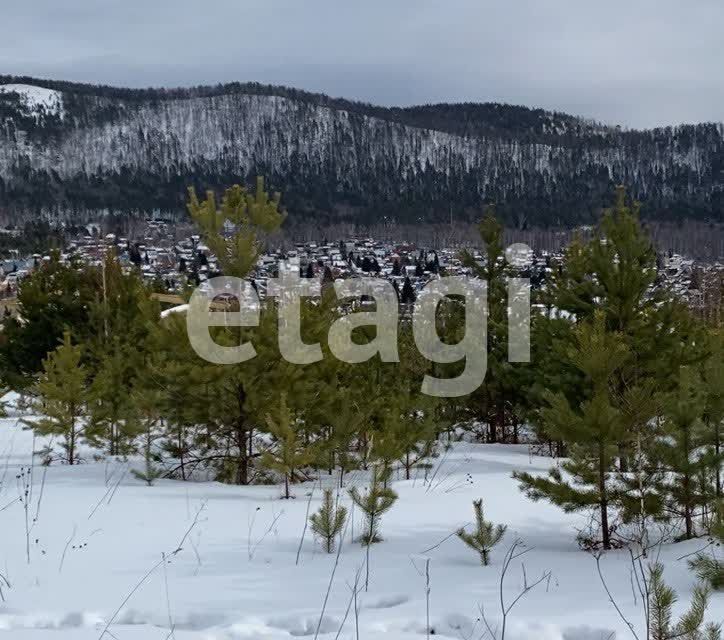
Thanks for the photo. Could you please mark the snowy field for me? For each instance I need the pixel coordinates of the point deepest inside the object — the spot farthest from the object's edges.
(95, 532)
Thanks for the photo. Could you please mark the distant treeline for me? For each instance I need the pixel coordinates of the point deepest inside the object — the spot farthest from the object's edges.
(694, 239)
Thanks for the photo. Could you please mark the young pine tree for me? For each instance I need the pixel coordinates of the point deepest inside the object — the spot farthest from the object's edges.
(681, 450)
(375, 502)
(328, 522)
(61, 396)
(490, 400)
(408, 430)
(592, 429)
(408, 295)
(147, 404)
(343, 408)
(250, 215)
(713, 376)
(710, 566)
(485, 536)
(661, 600)
(289, 452)
(641, 502)
(614, 274)
(112, 420)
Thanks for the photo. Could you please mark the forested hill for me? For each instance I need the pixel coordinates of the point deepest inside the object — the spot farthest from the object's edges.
(70, 150)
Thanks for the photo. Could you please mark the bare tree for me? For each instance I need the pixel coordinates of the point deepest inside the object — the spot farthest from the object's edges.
(516, 550)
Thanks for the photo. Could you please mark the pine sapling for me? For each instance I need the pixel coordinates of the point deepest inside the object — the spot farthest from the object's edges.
(709, 567)
(150, 472)
(375, 502)
(289, 452)
(61, 397)
(145, 415)
(328, 522)
(485, 536)
(660, 604)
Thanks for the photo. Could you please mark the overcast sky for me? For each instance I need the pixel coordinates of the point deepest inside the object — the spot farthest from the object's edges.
(633, 62)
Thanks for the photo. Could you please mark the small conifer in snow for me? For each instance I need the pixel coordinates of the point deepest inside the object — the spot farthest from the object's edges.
(374, 502)
(661, 602)
(288, 453)
(709, 566)
(485, 536)
(327, 523)
(145, 404)
(61, 397)
(150, 472)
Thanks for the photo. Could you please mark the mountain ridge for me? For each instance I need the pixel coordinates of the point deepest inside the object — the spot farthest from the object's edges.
(138, 149)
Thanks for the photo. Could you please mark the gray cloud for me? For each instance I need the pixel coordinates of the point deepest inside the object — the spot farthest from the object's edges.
(637, 63)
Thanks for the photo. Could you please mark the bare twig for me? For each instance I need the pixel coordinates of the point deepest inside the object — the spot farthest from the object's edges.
(515, 551)
(118, 484)
(445, 539)
(352, 599)
(695, 553)
(611, 598)
(331, 580)
(151, 571)
(65, 549)
(306, 520)
(6, 582)
(171, 624)
(194, 546)
(253, 549)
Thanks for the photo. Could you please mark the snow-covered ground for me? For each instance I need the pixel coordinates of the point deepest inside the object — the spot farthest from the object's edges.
(99, 532)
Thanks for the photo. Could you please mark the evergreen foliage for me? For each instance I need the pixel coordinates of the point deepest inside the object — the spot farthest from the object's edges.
(147, 405)
(681, 449)
(591, 429)
(550, 168)
(60, 398)
(408, 295)
(112, 413)
(248, 215)
(329, 520)
(709, 566)
(288, 453)
(661, 600)
(377, 500)
(485, 536)
(624, 384)
(55, 297)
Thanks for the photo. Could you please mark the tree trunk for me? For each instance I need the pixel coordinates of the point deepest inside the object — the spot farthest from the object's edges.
(686, 484)
(604, 497)
(71, 446)
(242, 466)
(688, 520)
(717, 451)
(623, 458)
(242, 441)
(181, 452)
(492, 430)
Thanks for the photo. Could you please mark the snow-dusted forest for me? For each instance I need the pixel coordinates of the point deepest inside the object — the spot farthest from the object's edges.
(86, 148)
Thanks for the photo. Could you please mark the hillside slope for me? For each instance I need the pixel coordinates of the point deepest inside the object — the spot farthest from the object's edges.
(85, 149)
